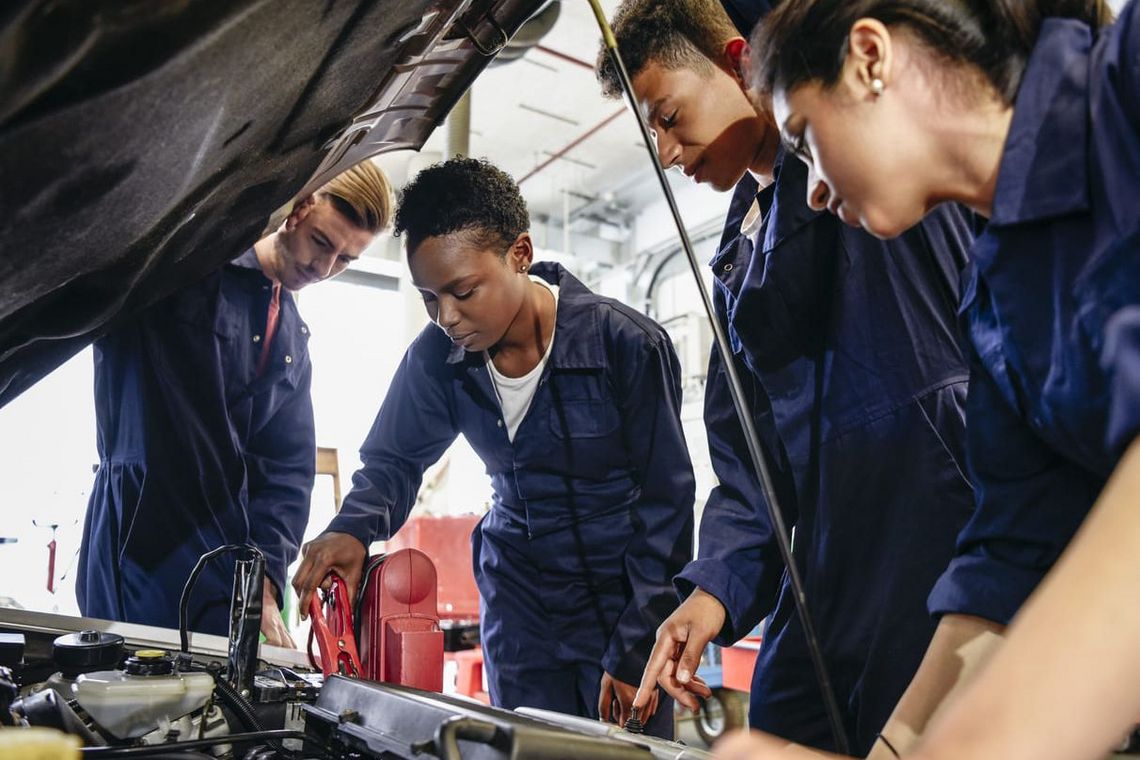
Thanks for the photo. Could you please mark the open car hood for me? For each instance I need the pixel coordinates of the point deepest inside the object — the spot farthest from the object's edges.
(143, 143)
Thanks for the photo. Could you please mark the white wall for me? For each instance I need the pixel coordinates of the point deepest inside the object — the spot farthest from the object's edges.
(47, 435)
(47, 450)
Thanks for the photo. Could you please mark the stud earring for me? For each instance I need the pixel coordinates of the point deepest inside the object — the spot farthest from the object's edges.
(877, 87)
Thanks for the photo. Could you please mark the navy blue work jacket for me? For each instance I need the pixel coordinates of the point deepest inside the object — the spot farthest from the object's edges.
(592, 511)
(1052, 308)
(196, 451)
(746, 14)
(850, 353)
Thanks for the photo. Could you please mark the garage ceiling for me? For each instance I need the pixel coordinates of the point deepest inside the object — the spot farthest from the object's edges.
(526, 114)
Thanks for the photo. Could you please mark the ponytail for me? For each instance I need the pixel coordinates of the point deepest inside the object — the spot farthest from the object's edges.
(803, 41)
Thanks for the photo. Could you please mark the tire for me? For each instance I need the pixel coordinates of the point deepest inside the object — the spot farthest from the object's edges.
(720, 713)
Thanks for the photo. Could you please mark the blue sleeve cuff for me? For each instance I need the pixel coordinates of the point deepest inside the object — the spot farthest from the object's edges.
(983, 587)
(714, 577)
(361, 527)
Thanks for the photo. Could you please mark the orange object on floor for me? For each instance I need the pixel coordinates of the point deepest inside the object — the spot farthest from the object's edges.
(737, 663)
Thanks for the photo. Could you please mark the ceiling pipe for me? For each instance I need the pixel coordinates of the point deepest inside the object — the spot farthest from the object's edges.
(459, 128)
(565, 57)
(573, 144)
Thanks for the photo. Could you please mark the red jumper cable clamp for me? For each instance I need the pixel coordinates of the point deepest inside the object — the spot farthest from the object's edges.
(331, 623)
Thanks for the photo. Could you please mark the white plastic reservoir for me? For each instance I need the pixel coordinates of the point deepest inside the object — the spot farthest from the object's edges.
(129, 706)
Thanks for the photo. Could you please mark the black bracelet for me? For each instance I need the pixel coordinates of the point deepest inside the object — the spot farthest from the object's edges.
(889, 746)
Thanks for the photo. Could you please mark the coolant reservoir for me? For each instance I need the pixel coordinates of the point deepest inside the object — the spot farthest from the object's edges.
(132, 702)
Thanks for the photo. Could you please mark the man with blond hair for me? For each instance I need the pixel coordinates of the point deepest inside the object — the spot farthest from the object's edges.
(205, 422)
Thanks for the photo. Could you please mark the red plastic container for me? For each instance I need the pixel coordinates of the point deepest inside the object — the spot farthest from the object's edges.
(738, 661)
(400, 640)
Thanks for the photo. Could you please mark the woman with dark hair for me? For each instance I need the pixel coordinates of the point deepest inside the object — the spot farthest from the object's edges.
(1029, 112)
(572, 401)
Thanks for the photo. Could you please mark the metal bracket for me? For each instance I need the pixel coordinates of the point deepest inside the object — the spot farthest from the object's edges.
(487, 50)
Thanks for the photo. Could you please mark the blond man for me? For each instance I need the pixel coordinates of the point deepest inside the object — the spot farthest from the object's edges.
(205, 422)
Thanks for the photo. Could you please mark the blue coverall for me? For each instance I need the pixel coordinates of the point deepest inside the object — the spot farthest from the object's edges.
(849, 349)
(196, 451)
(592, 510)
(745, 14)
(1052, 309)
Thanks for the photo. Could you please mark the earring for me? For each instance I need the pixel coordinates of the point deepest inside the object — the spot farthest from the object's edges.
(522, 268)
(877, 87)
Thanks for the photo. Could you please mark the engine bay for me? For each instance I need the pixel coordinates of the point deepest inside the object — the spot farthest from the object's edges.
(126, 691)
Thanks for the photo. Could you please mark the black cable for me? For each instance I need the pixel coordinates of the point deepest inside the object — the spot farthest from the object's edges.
(241, 707)
(158, 750)
(184, 601)
(743, 412)
(238, 704)
(365, 581)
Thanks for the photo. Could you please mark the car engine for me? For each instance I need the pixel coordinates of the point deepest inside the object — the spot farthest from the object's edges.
(125, 691)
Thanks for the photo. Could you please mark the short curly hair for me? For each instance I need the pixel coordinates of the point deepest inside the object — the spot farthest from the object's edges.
(462, 195)
(673, 33)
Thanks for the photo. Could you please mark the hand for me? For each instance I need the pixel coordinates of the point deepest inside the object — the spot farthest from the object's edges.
(681, 640)
(276, 634)
(325, 553)
(754, 745)
(619, 694)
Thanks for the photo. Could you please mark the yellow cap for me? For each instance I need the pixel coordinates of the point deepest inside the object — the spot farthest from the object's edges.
(150, 654)
(38, 744)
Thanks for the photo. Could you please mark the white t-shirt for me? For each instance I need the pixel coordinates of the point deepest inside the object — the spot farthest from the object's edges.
(516, 393)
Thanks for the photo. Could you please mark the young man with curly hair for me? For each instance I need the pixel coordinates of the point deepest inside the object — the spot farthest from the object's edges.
(572, 401)
(848, 347)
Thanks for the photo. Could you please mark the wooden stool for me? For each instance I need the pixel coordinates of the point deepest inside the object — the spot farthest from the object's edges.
(328, 464)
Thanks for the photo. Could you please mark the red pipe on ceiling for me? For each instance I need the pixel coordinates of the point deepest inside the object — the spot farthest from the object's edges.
(574, 144)
(565, 57)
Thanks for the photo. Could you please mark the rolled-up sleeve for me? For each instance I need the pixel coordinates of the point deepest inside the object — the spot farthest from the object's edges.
(1029, 503)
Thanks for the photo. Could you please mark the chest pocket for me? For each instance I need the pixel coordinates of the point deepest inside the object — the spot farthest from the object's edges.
(583, 419)
(197, 310)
